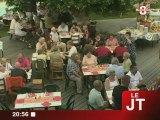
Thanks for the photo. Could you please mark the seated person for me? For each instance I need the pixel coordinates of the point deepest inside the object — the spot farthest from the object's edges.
(135, 77)
(119, 52)
(89, 46)
(17, 71)
(112, 41)
(41, 55)
(24, 62)
(102, 51)
(97, 39)
(56, 56)
(89, 59)
(111, 81)
(95, 98)
(3, 74)
(63, 28)
(74, 25)
(19, 28)
(72, 48)
(127, 62)
(6, 64)
(74, 71)
(54, 35)
(114, 66)
(62, 46)
(118, 90)
(41, 45)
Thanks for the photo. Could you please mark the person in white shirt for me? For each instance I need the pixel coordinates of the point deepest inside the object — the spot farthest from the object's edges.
(135, 77)
(95, 98)
(41, 45)
(6, 64)
(63, 28)
(18, 28)
(72, 48)
(12, 25)
(3, 74)
(54, 35)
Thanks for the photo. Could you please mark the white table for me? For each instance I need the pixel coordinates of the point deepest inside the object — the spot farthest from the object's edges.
(95, 70)
(109, 95)
(30, 102)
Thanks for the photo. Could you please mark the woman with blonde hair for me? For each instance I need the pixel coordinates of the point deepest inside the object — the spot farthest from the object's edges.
(111, 81)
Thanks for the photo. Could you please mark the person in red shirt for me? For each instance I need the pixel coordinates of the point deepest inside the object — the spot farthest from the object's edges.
(102, 50)
(119, 52)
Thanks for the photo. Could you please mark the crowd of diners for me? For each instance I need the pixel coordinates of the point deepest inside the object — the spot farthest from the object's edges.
(93, 49)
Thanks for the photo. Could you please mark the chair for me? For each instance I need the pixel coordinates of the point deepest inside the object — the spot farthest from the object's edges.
(104, 59)
(38, 84)
(90, 107)
(39, 67)
(69, 105)
(3, 91)
(14, 84)
(25, 90)
(4, 106)
(57, 68)
(51, 88)
(68, 80)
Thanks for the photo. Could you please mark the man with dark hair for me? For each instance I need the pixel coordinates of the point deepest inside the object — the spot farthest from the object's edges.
(118, 91)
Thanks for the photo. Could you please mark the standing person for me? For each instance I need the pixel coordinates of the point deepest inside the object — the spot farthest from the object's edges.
(118, 91)
(135, 77)
(127, 62)
(74, 71)
(95, 98)
(130, 43)
(54, 35)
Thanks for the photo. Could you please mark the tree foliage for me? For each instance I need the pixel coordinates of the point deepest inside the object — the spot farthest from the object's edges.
(100, 6)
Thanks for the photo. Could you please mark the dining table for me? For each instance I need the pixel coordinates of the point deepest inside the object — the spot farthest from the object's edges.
(95, 70)
(38, 100)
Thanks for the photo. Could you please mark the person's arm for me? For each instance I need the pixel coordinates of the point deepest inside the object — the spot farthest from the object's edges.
(84, 61)
(101, 103)
(140, 78)
(95, 60)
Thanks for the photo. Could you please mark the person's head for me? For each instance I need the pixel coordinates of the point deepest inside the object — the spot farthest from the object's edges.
(133, 69)
(75, 57)
(111, 37)
(41, 40)
(114, 60)
(89, 41)
(17, 19)
(3, 61)
(63, 24)
(53, 29)
(17, 65)
(112, 74)
(128, 34)
(74, 25)
(98, 85)
(101, 43)
(88, 53)
(20, 57)
(70, 44)
(125, 81)
(126, 55)
(85, 27)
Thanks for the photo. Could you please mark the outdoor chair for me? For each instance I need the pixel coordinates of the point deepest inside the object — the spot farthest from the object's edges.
(14, 84)
(39, 68)
(69, 105)
(3, 92)
(57, 70)
(104, 60)
(90, 107)
(51, 88)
